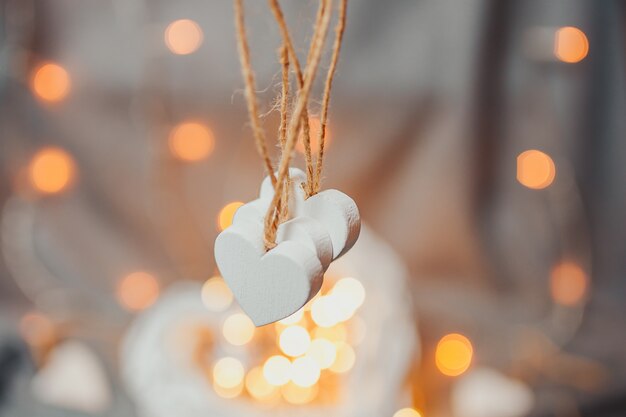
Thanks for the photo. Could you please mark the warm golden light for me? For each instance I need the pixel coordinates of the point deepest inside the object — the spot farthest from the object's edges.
(277, 370)
(323, 352)
(238, 329)
(294, 318)
(137, 291)
(325, 311)
(298, 395)
(51, 170)
(50, 82)
(36, 329)
(345, 358)
(348, 295)
(183, 36)
(570, 45)
(535, 169)
(228, 372)
(407, 412)
(453, 355)
(352, 290)
(225, 217)
(191, 141)
(227, 392)
(315, 126)
(216, 296)
(305, 371)
(568, 283)
(337, 333)
(294, 341)
(257, 385)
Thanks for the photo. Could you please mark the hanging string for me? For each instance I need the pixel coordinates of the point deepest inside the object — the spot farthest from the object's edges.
(321, 139)
(283, 207)
(317, 45)
(290, 129)
(306, 134)
(248, 75)
(314, 171)
(284, 97)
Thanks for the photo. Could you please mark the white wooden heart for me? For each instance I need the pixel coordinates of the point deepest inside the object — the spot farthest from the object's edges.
(335, 210)
(270, 286)
(273, 285)
(257, 209)
(339, 215)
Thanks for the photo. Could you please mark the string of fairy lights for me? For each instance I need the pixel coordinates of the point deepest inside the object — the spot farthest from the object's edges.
(300, 359)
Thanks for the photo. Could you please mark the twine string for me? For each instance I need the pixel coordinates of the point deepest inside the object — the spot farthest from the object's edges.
(314, 169)
(317, 45)
(291, 128)
(283, 206)
(306, 132)
(250, 91)
(284, 97)
(321, 139)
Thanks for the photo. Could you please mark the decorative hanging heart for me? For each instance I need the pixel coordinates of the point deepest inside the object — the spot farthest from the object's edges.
(270, 286)
(335, 210)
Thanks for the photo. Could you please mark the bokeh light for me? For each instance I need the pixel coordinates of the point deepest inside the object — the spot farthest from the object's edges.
(277, 370)
(50, 82)
(535, 169)
(137, 291)
(294, 318)
(345, 358)
(191, 141)
(294, 341)
(407, 412)
(568, 283)
(337, 333)
(348, 294)
(297, 395)
(258, 387)
(351, 290)
(226, 214)
(314, 129)
(238, 329)
(305, 371)
(37, 329)
(325, 311)
(323, 352)
(183, 37)
(453, 355)
(228, 393)
(51, 170)
(228, 372)
(216, 296)
(570, 44)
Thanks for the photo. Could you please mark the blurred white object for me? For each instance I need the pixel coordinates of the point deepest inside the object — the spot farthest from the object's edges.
(163, 385)
(486, 392)
(73, 378)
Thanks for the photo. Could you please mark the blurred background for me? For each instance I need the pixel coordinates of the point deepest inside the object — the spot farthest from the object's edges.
(482, 140)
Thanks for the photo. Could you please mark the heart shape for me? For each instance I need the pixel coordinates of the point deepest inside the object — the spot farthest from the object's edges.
(270, 286)
(337, 212)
